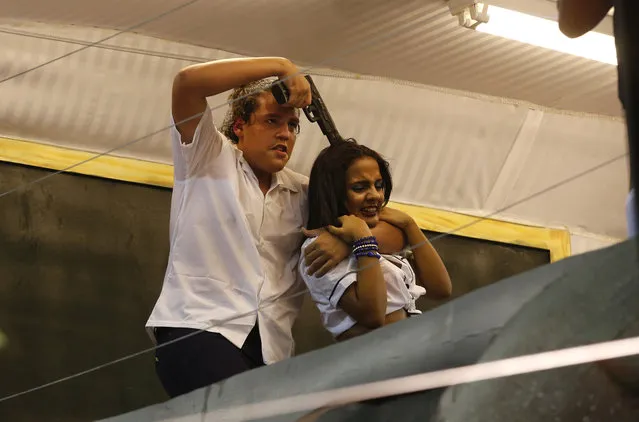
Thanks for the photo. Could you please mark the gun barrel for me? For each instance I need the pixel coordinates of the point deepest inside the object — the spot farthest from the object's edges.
(315, 112)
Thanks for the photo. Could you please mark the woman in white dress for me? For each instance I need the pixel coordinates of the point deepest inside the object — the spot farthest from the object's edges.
(349, 189)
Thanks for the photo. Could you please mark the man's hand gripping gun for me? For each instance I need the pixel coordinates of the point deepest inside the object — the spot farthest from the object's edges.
(315, 112)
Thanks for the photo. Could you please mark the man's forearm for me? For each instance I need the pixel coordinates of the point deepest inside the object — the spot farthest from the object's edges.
(390, 238)
(212, 78)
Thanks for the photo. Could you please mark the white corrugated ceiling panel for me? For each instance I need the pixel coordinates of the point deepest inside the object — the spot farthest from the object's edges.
(414, 40)
(446, 150)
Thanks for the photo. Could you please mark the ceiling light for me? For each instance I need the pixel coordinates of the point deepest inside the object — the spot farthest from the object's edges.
(470, 13)
(545, 33)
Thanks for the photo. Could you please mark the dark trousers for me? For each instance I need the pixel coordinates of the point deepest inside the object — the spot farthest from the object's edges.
(202, 359)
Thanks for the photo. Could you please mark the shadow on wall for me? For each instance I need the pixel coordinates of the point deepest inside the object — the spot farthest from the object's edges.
(471, 263)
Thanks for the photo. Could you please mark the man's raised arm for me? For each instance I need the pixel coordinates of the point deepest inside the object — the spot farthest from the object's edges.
(193, 84)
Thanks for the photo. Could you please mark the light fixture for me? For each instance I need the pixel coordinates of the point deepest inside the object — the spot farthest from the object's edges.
(469, 12)
(545, 33)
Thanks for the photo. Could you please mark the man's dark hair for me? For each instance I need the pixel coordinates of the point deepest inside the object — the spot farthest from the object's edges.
(244, 102)
(327, 182)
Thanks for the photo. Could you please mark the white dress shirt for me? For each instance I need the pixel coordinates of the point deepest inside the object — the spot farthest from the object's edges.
(233, 249)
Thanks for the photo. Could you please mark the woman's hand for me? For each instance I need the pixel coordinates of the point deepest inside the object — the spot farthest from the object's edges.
(397, 218)
(351, 229)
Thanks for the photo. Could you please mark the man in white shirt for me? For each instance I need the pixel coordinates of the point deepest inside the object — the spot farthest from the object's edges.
(237, 219)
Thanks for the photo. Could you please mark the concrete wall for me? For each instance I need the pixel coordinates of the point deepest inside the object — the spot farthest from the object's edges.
(81, 264)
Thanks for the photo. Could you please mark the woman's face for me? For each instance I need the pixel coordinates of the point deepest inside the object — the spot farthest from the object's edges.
(364, 190)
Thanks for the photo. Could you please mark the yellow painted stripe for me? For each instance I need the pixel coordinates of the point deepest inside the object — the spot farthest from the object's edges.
(156, 174)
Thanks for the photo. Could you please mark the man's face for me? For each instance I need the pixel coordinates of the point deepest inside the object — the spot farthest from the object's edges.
(267, 140)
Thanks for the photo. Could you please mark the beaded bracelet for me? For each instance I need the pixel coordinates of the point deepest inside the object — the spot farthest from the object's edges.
(371, 254)
(365, 241)
(366, 247)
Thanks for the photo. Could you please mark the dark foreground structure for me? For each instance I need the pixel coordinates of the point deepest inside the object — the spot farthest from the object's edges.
(581, 300)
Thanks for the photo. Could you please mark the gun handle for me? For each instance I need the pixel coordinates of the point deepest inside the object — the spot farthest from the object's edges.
(280, 92)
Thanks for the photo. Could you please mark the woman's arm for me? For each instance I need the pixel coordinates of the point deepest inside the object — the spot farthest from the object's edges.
(365, 299)
(429, 268)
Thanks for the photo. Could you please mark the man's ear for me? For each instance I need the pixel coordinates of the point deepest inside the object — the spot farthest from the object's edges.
(238, 127)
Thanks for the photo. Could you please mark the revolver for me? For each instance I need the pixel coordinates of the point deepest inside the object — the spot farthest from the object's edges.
(315, 112)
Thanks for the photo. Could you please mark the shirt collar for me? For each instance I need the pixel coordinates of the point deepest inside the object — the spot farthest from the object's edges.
(280, 179)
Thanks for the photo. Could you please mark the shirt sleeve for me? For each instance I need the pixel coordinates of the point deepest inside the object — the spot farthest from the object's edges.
(331, 286)
(208, 144)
